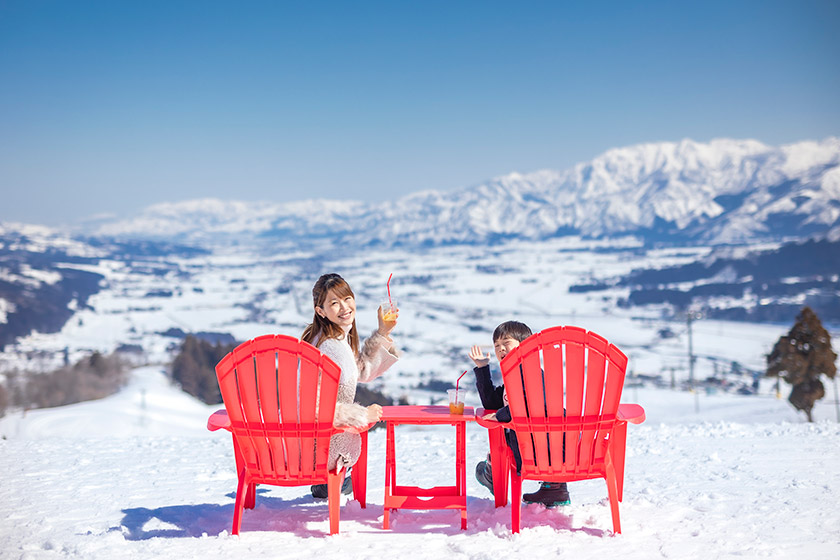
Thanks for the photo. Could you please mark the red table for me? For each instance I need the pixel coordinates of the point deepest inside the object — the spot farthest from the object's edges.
(437, 497)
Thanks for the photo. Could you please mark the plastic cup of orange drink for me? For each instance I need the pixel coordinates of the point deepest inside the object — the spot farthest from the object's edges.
(389, 310)
(456, 401)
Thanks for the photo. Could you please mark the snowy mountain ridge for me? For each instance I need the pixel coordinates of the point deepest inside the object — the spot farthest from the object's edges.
(723, 191)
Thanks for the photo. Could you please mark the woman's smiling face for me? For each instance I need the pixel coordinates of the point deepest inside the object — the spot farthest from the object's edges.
(339, 310)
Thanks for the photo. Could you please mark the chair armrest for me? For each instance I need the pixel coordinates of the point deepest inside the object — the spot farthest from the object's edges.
(480, 414)
(355, 429)
(632, 413)
(218, 420)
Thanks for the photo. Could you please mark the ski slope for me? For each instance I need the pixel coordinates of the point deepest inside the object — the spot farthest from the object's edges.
(137, 475)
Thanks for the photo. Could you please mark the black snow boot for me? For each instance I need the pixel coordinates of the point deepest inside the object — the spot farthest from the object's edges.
(550, 494)
(484, 474)
(320, 491)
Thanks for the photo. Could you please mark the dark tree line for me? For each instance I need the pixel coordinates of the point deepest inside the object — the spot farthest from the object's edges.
(763, 275)
(93, 377)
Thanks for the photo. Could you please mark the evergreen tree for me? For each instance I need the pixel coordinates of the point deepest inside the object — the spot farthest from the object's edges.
(194, 368)
(801, 357)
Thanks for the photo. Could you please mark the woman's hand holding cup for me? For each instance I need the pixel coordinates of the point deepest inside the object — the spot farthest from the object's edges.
(387, 315)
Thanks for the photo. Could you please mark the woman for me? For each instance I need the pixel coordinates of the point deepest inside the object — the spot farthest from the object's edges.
(333, 331)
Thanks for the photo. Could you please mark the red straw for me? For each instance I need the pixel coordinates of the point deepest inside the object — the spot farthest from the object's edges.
(457, 383)
(388, 284)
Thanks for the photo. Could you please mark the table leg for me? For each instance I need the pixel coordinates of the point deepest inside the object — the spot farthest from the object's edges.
(390, 473)
(461, 460)
(415, 497)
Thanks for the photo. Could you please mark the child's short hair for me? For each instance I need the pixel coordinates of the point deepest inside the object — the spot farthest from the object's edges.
(513, 329)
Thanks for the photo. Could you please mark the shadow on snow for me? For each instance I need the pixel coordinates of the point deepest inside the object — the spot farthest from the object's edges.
(300, 515)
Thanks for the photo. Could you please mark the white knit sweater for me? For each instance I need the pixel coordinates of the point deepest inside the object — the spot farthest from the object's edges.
(378, 353)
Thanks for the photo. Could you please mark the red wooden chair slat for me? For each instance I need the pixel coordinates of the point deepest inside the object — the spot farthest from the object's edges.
(280, 398)
(309, 415)
(564, 388)
(552, 350)
(574, 339)
(287, 390)
(594, 392)
(257, 453)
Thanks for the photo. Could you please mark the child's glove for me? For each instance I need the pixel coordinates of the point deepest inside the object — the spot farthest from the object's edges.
(477, 356)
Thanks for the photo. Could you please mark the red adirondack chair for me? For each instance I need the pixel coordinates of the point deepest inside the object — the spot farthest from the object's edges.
(563, 386)
(280, 398)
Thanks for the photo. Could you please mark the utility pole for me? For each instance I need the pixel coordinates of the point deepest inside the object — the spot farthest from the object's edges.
(690, 316)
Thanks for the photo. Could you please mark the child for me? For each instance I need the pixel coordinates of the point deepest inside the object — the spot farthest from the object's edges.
(506, 337)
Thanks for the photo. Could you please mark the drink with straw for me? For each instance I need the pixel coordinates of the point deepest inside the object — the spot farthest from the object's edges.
(389, 310)
(456, 398)
(389, 306)
(456, 401)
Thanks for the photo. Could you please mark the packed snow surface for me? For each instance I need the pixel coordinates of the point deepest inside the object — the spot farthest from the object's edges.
(137, 475)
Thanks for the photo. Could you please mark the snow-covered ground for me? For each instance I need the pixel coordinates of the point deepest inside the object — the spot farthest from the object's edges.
(136, 476)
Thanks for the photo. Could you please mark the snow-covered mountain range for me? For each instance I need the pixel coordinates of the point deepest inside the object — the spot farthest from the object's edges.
(724, 191)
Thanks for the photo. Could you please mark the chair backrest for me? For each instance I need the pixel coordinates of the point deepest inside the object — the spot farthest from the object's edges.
(280, 396)
(563, 386)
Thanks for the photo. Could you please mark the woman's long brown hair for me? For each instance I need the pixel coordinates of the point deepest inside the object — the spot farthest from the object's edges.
(323, 326)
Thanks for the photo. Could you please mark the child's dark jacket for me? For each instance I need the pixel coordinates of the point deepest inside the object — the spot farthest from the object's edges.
(492, 398)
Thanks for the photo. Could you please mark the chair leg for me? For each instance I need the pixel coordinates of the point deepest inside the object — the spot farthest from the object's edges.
(509, 466)
(612, 491)
(251, 496)
(359, 474)
(334, 481)
(239, 503)
(619, 447)
(516, 500)
(499, 463)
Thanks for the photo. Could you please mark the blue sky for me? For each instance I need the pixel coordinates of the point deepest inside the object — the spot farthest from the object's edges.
(107, 107)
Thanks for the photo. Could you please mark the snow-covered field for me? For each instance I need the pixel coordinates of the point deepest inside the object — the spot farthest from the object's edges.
(136, 476)
(450, 298)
